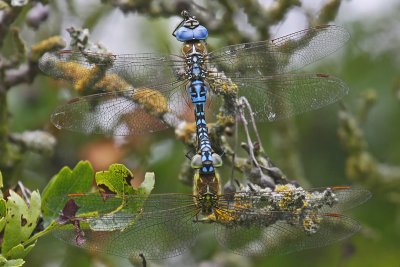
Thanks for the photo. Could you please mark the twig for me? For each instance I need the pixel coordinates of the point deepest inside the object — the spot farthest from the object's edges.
(361, 164)
(144, 263)
(244, 101)
(245, 126)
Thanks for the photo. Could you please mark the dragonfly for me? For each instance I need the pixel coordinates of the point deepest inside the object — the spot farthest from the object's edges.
(141, 93)
(252, 221)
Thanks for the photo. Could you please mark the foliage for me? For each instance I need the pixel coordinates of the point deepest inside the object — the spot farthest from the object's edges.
(306, 149)
(17, 223)
(67, 181)
(21, 222)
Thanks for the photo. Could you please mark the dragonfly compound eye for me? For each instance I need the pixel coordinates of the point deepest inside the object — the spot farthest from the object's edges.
(196, 162)
(217, 161)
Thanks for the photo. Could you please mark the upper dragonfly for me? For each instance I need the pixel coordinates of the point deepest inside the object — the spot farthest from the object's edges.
(140, 90)
(147, 92)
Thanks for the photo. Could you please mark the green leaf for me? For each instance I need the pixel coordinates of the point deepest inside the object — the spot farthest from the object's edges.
(148, 184)
(10, 263)
(3, 208)
(21, 220)
(1, 186)
(67, 181)
(3, 211)
(13, 263)
(116, 180)
(118, 173)
(2, 223)
(1, 180)
(19, 251)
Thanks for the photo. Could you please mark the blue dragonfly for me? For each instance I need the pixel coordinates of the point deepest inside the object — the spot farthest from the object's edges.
(140, 93)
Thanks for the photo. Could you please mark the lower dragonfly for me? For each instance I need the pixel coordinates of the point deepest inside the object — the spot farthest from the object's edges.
(142, 93)
(252, 221)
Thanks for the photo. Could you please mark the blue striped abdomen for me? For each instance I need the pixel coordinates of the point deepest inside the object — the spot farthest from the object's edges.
(198, 93)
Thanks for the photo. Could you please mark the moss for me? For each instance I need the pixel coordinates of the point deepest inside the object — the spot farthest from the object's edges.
(49, 44)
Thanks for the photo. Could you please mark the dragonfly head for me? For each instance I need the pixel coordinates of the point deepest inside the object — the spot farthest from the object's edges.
(190, 29)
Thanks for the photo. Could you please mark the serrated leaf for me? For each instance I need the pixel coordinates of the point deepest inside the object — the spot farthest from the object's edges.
(21, 220)
(117, 180)
(148, 184)
(67, 181)
(99, 224)
(19, 251)
(14, 263)
(2, 260)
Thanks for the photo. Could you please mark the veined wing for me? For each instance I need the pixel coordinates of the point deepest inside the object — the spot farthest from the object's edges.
(158, 234)
(282, 96)
(347, 197)
(95, 71)
(106, 203)
(94, 205)
(321, 200)
(279, 236)
(125, 112)
(281, 55)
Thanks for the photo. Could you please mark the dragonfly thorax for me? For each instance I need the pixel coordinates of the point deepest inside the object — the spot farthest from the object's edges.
(207, 202)
(195, 52)
(206, 189)
(194, 47)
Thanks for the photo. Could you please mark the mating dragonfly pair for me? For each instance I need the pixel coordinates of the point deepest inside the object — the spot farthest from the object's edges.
(148, 92)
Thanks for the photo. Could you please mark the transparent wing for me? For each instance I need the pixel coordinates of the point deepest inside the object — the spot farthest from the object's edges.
(323, 200)
(347, 197)
(137, 69)
(157, 226)
(283, 96)
(120, 109)
(281, 237)
(281, 55)
(103, 204)
(156, 235)
(127, 112)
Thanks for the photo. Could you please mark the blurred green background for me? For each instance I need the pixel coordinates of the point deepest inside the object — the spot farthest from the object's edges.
(369, 64)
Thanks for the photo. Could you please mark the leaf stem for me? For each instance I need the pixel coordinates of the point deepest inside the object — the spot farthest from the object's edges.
(48, 229)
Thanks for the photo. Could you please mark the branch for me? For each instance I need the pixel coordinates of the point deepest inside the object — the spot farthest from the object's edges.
(361, 164)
